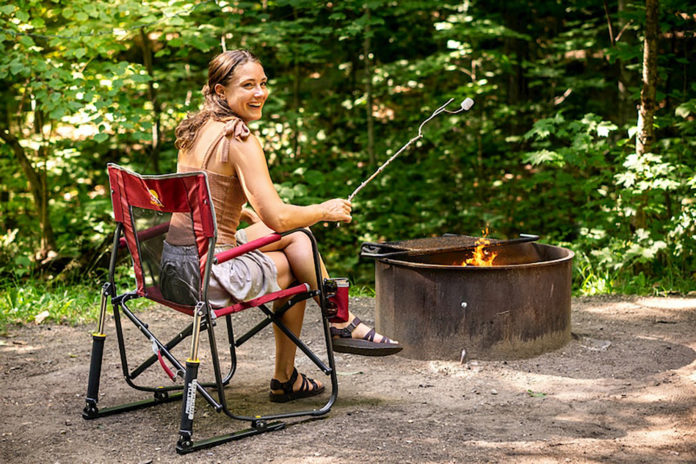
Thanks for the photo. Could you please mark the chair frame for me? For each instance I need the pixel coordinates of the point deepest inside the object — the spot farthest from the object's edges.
(204, 320)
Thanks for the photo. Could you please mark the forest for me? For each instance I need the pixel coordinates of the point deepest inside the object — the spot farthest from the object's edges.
(582, 130)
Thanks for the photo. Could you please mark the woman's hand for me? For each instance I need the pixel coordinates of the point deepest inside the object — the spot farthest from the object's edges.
(337, 209)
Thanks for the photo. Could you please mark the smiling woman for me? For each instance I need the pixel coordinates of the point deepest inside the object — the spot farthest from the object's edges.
(218, 141)
(246, 92)
(221, 72)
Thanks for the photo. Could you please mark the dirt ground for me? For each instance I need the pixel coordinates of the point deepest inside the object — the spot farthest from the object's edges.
(623, 390)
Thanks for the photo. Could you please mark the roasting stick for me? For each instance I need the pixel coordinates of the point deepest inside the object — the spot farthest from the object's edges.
(465, 106)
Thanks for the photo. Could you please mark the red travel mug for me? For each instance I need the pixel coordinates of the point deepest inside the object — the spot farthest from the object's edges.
(340, 300)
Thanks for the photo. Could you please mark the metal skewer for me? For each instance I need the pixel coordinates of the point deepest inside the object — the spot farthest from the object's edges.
(465, 106)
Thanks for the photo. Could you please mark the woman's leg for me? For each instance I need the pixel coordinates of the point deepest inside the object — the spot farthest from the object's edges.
(298, 251)
(293, 317)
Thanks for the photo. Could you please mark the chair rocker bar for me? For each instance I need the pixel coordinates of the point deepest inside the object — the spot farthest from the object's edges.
(161, 396)
(261, 427)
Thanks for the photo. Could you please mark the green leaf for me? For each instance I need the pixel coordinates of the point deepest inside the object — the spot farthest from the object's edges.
(100, 137)
(26, 41)
(686, 109)
(57, 113)
(542, 129)
(542, 156)
(17, 67)
(22, 261)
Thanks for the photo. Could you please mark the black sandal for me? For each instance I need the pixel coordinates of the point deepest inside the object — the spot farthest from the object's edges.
(289, 394)
(343, 342)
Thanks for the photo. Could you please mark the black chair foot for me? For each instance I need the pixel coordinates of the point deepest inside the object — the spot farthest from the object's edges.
(90, 411)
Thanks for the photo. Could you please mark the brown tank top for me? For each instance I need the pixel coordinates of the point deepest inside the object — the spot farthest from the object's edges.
(226, 190)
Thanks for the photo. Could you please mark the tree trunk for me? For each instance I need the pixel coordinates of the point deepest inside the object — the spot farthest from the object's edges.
(152, 96)
(39, 191)
(646, 132)
(368, 91)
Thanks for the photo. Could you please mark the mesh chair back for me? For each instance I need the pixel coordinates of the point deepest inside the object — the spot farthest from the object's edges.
(146, 205)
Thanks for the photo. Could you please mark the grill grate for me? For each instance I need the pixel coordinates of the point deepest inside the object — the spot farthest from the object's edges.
(429, 245)
(436, 243)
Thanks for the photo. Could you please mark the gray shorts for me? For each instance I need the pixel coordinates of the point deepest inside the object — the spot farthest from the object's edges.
(240, 279)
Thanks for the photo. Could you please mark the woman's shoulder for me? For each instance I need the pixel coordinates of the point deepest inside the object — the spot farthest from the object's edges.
(239, 143)
(235, 128)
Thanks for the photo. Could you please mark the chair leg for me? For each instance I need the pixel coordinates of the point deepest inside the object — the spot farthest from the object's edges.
(91, 411)
(188, 406)
(188, 402)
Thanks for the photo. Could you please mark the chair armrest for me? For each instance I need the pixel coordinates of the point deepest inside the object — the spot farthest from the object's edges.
(147, 234)
(241, 249)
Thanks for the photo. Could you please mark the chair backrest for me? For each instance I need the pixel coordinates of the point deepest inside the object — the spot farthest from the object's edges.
(145, 205)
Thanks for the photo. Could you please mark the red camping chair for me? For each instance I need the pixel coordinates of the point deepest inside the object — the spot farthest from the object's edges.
(143, 207)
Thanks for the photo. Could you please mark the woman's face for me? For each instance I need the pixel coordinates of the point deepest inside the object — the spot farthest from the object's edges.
(247, 91)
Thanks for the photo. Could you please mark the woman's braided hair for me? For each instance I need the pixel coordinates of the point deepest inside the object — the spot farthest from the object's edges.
(220, 71)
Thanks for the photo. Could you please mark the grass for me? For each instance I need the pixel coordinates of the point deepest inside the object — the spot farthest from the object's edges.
(362, 290)
(35, 301)
(589, 282)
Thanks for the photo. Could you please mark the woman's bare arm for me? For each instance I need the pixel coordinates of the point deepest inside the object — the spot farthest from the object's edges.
(252, 170)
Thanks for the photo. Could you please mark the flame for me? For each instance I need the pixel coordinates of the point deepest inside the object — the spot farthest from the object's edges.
(481, 256)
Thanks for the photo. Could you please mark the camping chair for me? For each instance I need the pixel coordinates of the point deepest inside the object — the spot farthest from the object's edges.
(143, 208)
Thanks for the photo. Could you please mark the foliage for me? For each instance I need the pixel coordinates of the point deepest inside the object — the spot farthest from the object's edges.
(548, 148)
(35, 302)
(38, 301)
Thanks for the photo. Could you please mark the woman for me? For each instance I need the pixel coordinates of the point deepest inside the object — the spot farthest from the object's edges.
(217, 140)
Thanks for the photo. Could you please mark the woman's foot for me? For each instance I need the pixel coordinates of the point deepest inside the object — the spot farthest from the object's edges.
(360, 330)
(357, 338)
(298, 386)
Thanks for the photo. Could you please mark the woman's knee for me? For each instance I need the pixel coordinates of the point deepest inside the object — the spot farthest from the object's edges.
(285, 276)
(299, 239)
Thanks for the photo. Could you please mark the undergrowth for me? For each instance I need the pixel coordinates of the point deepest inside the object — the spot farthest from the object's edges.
(36, 302)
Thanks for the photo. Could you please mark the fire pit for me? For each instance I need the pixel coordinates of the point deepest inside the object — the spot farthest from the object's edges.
(439, 309)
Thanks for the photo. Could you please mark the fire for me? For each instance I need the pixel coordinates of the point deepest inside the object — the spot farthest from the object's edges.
(481, 256)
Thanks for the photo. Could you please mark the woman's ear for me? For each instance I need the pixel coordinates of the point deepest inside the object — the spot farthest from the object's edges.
(219, 90)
